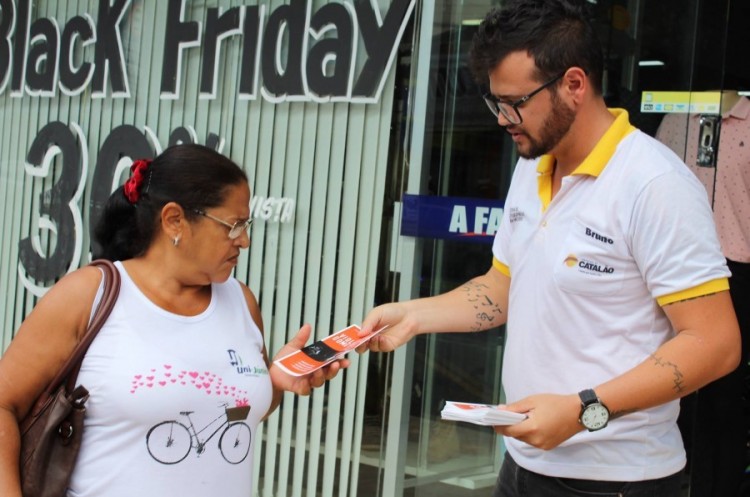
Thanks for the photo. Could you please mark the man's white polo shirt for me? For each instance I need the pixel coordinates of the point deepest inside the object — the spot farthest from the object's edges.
(629, 231)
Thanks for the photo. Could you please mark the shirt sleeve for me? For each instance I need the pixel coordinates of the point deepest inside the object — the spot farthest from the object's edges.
(674, 239)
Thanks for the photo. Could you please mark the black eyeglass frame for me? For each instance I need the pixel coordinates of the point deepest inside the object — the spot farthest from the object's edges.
(497, 106)
(235, 230)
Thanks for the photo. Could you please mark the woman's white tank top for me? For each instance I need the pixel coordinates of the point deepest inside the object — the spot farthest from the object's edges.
(175, 401)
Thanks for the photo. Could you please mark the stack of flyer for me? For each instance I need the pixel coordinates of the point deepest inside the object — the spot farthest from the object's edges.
(480, 414)
(323, 352)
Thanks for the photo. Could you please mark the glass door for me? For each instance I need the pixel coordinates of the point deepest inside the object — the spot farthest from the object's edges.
(469, 162)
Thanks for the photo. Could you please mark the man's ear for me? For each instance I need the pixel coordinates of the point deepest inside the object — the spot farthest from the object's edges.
(575, 84)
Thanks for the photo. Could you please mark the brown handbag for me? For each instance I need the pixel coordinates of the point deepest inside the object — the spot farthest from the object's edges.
(51, 432)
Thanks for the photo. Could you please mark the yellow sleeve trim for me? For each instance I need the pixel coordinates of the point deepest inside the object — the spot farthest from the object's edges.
(707, 288)
(501, 267)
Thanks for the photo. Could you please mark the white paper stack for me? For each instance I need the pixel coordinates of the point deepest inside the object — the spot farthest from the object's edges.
(480, 414)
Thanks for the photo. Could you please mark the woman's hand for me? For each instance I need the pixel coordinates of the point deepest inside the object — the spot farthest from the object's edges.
(303, 385)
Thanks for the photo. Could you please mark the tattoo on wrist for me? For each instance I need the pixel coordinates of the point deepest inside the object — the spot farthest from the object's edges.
(678, 378)
(487, 311)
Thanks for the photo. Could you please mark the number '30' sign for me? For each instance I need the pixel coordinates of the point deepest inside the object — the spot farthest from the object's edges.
(59, 159)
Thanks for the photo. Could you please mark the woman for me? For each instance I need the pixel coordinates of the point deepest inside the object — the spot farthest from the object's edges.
(182, 350)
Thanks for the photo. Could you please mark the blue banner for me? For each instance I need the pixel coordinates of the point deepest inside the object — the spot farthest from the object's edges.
(452, 218)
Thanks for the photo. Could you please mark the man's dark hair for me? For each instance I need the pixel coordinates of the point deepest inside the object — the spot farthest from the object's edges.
(558, 34)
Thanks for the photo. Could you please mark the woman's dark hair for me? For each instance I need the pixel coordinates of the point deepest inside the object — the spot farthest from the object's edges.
(194, 176)
(558, 34)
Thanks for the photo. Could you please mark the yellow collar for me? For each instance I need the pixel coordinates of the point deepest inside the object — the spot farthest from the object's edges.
(594, 163)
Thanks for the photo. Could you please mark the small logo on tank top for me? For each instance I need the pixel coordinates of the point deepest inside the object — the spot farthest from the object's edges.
(236, 361)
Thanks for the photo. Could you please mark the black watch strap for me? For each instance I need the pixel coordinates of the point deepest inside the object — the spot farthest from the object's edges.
(588, 396)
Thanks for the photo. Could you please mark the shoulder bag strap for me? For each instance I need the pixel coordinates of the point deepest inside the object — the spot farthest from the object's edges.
(71, 367)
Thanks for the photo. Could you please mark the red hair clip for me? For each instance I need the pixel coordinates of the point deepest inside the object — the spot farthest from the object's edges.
(132, 187)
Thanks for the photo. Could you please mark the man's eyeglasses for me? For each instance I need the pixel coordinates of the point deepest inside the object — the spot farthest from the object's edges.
(509, 110)
(235, 230)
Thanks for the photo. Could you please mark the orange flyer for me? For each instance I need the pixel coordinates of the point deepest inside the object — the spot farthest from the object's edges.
(323, 352)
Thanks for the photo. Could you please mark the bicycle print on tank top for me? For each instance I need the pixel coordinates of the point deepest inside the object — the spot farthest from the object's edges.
(172, 440)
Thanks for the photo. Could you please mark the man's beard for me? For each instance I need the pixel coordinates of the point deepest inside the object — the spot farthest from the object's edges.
(554, 128)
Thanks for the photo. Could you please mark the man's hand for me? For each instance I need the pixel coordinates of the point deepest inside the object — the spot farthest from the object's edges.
(552, 419)
(400, 330)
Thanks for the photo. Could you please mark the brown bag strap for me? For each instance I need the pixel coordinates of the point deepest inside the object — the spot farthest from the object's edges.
(71, 367)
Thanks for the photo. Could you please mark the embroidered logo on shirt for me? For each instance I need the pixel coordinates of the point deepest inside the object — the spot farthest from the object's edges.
(516, 215)
(588, 266)
(596, 236)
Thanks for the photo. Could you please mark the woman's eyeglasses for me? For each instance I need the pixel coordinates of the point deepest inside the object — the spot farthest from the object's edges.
(235, 230)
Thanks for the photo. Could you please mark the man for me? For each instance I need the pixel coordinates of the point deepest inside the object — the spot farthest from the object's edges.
(606, 269)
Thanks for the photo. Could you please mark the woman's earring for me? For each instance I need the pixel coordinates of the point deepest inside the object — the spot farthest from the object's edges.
(176, 240)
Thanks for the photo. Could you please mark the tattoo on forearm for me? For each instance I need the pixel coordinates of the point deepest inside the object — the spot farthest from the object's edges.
(678, 377)
(487, 311)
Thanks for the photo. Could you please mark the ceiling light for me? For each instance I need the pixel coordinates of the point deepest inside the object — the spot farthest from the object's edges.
(650, 63)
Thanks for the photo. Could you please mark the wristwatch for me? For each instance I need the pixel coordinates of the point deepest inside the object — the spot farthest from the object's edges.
(594, 414)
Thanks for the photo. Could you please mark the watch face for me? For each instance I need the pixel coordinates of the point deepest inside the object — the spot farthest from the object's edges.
(595, 417)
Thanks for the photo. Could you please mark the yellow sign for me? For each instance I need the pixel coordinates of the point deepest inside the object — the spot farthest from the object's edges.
(693, 102)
